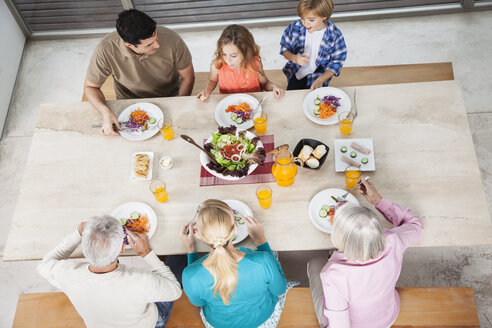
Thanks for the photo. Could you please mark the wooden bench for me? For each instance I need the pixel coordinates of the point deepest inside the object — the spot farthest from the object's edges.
(443, 307)
(349, 76)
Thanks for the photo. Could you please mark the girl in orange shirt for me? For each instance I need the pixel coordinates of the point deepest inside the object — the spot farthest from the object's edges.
(237, 65)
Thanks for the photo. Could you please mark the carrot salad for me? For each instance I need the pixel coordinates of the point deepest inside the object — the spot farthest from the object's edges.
(242, 107)
(140, 225)
(139, 117)
(326, 110)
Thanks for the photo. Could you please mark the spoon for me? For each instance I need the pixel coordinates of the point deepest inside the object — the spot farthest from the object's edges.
(191, 141)
(276, 149)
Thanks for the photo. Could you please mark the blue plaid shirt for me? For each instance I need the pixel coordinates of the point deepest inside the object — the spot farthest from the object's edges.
(331, 55)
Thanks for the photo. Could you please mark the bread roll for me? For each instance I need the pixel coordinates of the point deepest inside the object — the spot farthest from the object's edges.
(312, 162)
(319, 151)
(306, 151)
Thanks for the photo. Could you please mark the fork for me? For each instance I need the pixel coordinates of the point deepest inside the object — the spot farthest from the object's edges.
(342, 198)
(354, 112)
(193, 220)
(257, 108)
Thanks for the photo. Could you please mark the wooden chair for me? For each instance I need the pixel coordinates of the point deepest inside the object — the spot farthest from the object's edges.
(349, 76)
(443, 307)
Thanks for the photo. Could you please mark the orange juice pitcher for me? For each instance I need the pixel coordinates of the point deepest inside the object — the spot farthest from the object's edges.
(284, 169)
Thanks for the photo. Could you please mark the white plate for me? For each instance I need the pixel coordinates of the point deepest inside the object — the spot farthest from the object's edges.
(324, 198)
(124, 211)
(224, 119)
(152, 110)
(340, 165)
(133, 177)
(308, 105)
(204, 160)
(243, 210)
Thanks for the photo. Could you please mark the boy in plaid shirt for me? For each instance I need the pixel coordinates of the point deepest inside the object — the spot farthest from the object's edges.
(313, 45)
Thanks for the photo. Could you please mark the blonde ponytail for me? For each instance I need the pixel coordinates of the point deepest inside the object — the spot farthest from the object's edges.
(216, 227)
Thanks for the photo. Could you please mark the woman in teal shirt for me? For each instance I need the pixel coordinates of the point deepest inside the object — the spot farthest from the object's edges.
(234, 287)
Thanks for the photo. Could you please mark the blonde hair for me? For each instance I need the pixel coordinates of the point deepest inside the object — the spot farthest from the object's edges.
(322, 8)
(243, 39)
(217, 228)
(357, 233)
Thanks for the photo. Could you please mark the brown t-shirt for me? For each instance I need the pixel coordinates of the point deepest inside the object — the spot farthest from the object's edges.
(140, 76)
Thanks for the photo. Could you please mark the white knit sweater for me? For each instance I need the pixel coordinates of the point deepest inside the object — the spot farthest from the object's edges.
(121, 298)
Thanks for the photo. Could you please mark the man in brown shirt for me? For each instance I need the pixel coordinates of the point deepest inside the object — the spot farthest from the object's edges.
(144, 61)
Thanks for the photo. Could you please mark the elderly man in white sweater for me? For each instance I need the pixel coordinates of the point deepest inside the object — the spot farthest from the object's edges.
(104, 292)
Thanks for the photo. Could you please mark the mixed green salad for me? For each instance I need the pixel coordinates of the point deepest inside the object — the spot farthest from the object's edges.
(234, 152)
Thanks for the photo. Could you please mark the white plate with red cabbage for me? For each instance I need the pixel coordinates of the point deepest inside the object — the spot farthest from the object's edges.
(327, 198)
(125, 212)
(246, 154)
(142, 131)
(334, 96)
(224, 118)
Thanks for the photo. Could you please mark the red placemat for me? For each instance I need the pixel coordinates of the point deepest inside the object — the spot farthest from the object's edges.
(262, 174)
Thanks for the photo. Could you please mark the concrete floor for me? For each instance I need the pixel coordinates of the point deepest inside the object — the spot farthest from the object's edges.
(53, 71)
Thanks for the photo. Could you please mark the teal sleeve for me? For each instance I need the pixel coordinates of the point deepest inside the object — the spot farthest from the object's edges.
(190, 288)
(265, 247)
(192, 257)
(277, 284)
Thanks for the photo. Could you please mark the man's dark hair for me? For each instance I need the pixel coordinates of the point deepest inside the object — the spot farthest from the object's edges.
(133, 25)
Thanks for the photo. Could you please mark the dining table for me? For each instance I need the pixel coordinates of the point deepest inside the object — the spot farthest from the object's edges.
(423, 149)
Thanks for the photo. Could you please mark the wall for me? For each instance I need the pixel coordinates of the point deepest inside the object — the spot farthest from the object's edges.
(13, 41)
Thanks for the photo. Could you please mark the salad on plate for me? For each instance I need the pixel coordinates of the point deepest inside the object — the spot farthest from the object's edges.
(139, 121)
(241, 211)
(137, 222)
(328, 211)
(240, 113)
(234, 152)
(326, 107)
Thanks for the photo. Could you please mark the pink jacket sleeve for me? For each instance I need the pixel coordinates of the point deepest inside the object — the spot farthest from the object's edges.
(335, 307)
(408, 228)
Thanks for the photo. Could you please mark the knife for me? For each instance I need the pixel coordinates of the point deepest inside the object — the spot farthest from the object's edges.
(98, 125)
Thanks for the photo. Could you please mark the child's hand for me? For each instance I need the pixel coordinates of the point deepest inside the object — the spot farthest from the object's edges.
(302, 59)
(277, 91)
(202, 96)
(316, 84)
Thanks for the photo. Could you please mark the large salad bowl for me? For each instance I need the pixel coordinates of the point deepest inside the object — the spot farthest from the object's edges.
(250, 157)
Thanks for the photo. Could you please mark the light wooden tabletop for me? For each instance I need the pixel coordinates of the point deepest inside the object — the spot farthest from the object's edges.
(425, 159)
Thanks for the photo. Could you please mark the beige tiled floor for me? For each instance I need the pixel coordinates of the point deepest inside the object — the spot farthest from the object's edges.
(53, 71)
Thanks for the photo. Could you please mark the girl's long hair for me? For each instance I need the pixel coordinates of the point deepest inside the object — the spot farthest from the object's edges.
(217, 228)
(243, 39)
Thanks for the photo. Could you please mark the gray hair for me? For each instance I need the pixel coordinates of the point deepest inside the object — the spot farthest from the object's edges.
(357, 233)
(102, 240)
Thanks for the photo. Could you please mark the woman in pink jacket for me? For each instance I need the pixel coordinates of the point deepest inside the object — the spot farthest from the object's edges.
(356, 288)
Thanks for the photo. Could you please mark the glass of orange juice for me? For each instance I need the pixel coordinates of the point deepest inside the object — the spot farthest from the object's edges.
(166, 126)
(264, 195)
(284, 169)
(345, 120)
(260, 122)
(158, 188)
(352, 175)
